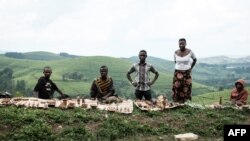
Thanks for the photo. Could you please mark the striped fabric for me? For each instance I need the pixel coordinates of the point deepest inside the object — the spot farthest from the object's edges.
(103, 85)
(142, 75)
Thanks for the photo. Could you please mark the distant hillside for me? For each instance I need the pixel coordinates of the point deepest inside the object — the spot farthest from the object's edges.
(224, 60)
(211, 98)
(38, 55)
(219, 76)
(206, 77)
(88, 67)
(160, 64)
(42, 56)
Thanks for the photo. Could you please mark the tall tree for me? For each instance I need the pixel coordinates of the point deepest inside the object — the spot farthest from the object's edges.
(6, 80)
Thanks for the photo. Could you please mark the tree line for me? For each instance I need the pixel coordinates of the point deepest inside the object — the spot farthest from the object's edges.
(18, 87)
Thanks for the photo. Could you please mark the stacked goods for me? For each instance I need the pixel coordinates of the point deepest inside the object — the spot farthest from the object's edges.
(160, 103)
(125, 106)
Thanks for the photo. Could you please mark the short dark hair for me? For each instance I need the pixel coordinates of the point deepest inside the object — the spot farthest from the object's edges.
(182, 39)
(104, 67)
(143, 51)
(47, 68)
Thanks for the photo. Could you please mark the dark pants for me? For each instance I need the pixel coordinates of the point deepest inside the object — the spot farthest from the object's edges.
(145, 94)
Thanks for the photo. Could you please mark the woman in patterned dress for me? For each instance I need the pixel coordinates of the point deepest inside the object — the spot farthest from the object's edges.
(184, 60)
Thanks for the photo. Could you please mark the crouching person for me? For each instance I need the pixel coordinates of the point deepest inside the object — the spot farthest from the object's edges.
(102, 87)
(239, 94)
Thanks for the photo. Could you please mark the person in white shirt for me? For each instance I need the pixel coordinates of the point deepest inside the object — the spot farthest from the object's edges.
(184, 60)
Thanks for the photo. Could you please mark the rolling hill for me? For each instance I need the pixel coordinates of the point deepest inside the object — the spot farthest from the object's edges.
(30, 70)
(38, 55)
(211, 98)
(224, 60)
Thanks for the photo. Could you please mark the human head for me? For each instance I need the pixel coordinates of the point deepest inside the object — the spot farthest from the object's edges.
(47, 71)
(104, 71)
(182, 44)
(142, 55)
(239, 84)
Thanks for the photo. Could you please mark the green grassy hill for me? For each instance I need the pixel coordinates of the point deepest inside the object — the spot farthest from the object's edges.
(94, 125)
(211, 98)
(79, 124)
(30, 70)
(41, 55)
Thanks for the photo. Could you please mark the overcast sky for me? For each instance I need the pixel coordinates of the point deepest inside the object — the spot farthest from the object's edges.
(121, 28)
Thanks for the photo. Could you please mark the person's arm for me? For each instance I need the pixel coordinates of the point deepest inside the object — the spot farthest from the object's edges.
(60, 92)
(131, 70)
(93, 90)
(152, 69)
(244, 96)
(54, 86)
(194, 59)
(193, 64)
(37, 88)
(175, 57)
(129, 77)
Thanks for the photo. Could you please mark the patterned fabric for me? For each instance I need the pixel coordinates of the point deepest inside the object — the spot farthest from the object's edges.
(45, 88)
(142, 74)
(100, 88)
(182, 86)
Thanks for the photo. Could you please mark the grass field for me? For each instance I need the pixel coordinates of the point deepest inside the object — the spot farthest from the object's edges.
(210, 98)
(79, 124)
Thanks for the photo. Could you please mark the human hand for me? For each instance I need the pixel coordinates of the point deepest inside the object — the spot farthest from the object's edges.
(149, 83)
(134, 83)
(104, 97)
(35, 94)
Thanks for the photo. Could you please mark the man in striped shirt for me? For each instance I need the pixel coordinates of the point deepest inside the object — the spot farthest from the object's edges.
(142, 81)
(102, 87)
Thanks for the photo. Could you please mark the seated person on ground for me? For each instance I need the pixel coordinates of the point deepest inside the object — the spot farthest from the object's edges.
(102, 87)
(239, 94)
(45, 87)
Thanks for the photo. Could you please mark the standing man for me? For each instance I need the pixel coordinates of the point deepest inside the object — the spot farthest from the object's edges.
(142, 81)
(45, 87)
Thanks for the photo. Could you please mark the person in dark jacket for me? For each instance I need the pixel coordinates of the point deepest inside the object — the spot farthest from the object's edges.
(45, 87)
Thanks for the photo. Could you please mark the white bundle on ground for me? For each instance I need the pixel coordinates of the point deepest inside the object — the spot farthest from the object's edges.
(186, 137)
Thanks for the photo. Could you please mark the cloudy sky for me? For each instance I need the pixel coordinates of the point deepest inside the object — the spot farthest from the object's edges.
(120, 28)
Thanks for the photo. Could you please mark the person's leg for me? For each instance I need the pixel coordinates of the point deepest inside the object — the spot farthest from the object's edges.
(175, 86)
(187, 85)
(181, 87)
(147, 95)
(138, 94)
